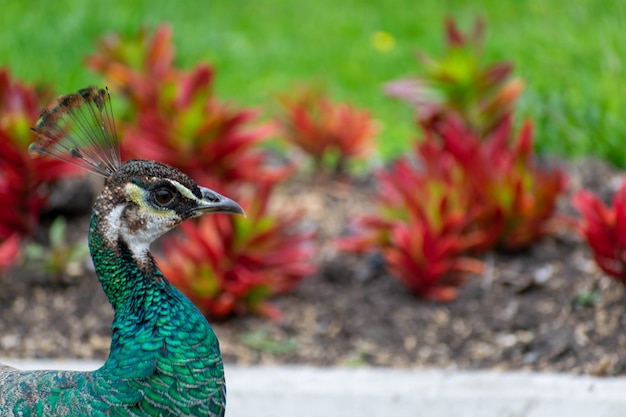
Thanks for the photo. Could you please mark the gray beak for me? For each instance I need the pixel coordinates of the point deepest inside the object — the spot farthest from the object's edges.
(213, 202)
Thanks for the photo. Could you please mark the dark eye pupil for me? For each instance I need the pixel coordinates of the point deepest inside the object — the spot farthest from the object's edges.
(163, 196)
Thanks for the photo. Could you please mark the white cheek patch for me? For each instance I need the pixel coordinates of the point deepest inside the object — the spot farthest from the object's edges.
(138, 242)
(139, 227)
(113, 221)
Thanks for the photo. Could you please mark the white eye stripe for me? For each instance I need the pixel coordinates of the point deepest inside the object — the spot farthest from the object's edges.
(186, 192)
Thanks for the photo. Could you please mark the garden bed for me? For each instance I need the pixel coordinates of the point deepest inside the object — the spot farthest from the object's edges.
(546, 309)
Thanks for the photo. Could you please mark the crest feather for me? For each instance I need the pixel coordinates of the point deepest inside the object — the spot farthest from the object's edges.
(79, 129)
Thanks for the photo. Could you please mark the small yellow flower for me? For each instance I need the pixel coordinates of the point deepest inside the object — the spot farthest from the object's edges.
(383, 41)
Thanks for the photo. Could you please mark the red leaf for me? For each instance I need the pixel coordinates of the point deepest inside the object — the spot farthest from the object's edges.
(604, 227)
(9, 251)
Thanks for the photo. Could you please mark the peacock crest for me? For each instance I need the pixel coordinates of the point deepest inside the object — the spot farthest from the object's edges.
(79, 129)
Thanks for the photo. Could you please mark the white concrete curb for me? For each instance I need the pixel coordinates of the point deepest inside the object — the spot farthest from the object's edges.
(315, 392)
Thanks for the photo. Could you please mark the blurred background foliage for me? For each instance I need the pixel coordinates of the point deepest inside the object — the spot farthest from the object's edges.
(570, 54)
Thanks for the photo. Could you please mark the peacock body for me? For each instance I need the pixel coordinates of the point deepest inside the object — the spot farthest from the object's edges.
(164, 358)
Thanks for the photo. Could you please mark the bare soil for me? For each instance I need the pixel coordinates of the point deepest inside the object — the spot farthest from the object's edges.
(544, 309)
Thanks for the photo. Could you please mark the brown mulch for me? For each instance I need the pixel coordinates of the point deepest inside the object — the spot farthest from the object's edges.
(545, 309)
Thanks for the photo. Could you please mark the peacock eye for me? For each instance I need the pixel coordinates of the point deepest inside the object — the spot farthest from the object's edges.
(163, 197)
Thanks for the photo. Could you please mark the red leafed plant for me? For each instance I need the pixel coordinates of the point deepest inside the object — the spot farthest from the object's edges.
(477, 185)
(429, 263)
(173, 115)
(467, 107)
(426, 226)
(460, 86)
(23, 180)
(465, 195)
(325, 129)
(505, 177)
(604, 228)
(231, 265)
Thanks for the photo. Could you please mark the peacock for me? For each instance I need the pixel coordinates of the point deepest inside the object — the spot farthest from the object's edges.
(164, 358)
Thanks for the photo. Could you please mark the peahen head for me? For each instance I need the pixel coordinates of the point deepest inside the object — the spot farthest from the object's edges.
(144, 199)
(141, 199)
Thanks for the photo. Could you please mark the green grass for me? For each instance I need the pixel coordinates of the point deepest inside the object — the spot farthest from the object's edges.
(570, 53)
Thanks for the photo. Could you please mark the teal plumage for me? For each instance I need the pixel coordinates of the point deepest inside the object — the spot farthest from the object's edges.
(164, 358)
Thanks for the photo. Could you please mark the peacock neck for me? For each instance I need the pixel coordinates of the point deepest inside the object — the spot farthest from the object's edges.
(153, 322)
(142, 299)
